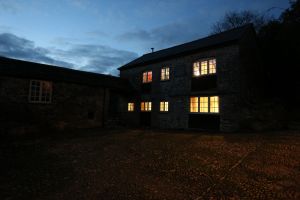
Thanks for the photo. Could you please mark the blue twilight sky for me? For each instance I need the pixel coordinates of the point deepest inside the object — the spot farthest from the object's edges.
(100, 36)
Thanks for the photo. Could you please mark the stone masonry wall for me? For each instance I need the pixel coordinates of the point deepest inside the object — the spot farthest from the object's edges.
(72, 106)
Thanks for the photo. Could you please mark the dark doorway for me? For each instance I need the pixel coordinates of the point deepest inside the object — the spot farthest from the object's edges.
(207, 122)
(145, 119)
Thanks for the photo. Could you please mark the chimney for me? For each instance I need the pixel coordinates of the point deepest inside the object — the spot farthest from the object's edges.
(152, 49)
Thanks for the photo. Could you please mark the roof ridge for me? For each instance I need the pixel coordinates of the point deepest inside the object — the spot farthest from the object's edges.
(209, 36)
(55, 67)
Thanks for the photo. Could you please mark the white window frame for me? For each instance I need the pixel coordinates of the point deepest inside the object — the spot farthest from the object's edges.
(37, 96)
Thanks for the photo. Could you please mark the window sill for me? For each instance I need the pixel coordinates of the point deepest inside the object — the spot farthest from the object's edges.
(206, 75)
(203, 113)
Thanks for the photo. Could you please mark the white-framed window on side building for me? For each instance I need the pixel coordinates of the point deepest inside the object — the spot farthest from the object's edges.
(40, 91)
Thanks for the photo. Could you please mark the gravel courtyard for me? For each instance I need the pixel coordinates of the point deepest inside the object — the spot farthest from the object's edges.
(144, 164)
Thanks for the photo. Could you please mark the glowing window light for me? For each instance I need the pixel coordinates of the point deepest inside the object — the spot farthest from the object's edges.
(130, 107)
(164, 106)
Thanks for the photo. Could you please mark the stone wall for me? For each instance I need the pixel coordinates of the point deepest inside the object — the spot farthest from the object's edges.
(72, 106)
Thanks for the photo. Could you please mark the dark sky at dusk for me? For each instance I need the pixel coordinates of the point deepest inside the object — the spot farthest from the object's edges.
(100, 36)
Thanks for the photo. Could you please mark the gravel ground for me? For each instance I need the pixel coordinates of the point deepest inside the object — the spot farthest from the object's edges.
(144, 164)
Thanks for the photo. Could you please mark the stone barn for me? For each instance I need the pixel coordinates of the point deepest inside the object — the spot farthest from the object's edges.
(35, 96)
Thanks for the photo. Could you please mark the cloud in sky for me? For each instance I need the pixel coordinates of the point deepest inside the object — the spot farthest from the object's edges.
(7, 5)
(95, 58)
(163, 36)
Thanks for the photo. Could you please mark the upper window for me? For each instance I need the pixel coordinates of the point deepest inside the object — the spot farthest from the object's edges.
(204, 104)
(204, 67)
(130, 107)
(146, 106)
(147, 77)
(164, 106)
(40, 91)
(165, 74)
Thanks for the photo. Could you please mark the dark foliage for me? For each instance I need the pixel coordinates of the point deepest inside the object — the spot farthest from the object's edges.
(280, 46)
(236, 19)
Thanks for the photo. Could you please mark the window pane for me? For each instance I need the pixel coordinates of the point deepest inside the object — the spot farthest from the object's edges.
(194, 104)
(149, 106)
(203, 67)
(142, 106)
(167, 73)
(149, 78)
(212, 66)
(203, 104)
(163, 73)
(214, 104)
(161, 106)
(145, 77)
(196, 69)
(166, 106)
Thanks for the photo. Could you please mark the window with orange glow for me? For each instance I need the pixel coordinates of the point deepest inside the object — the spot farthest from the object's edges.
(40, 91)
(146, 106)
(165, 74)
(204, 67)
(164, 106)
(147, 77)
(204, 104)
(194, 104)
(130, 107)
(214, 104)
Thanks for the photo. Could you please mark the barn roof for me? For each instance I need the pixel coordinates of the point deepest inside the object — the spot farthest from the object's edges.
(190, 47)
(25, 69)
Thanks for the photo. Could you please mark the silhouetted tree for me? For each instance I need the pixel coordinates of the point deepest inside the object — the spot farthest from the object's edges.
(236, 19)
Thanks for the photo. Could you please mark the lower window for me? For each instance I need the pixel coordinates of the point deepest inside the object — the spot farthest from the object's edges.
(204, 104)
(130, 107)
(164, 106)
(146, 106)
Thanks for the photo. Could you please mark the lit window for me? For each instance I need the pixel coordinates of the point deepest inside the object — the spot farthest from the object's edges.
(204, 67)
(40, 91)
(165, 73)
(214, 104)
(130, 107)
(196, 69)
(204, 104)
(194, 104)
(164, 106)
(146, 106)
(147, 77)
(212, 66)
